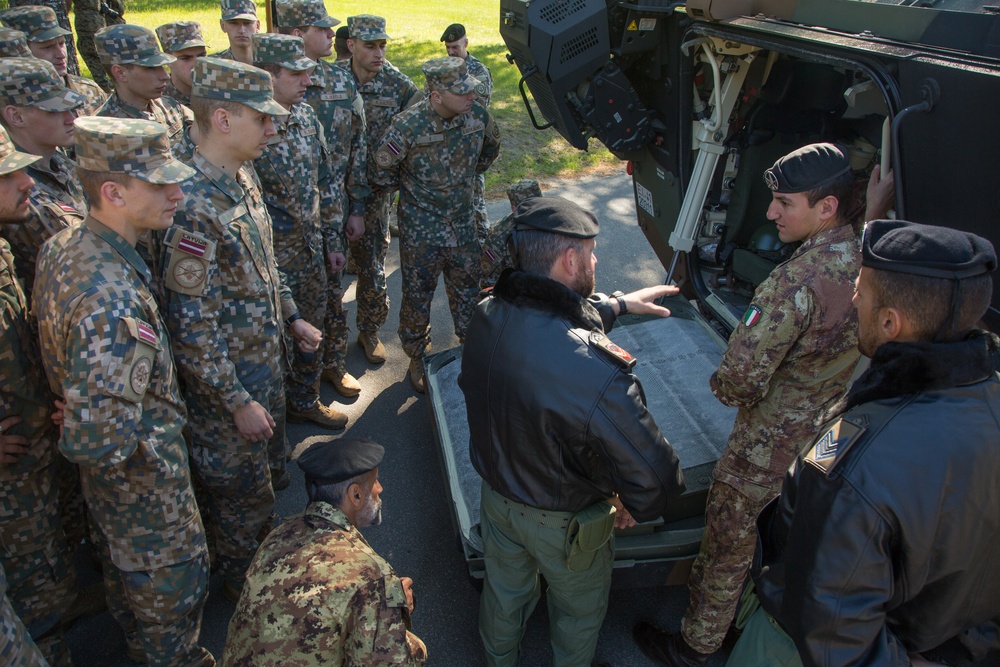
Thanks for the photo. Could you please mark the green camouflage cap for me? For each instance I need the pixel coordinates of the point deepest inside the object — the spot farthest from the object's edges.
(13, 44)
(37, 22)
(366, 27)
(288, 51)
(130, 45)
(449, 74)
(233, 10)
(31, 82)
(522, 190)
(233, 81)
(127, 146)
(12, 159)
(180, 35)
(299, 13)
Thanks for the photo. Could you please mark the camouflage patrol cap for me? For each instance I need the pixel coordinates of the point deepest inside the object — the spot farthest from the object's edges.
(12, 159)
(299, 13)
(366, 27)
(130, 146)
(130, 45)
(285, 50)
(453, 33)
(180, 35)
(329, 460)
(37, 22)
(522, 190)
(233, 81)
(13, 44)
(235, 10)
(449, 74)
(32, 82)
(808, 168)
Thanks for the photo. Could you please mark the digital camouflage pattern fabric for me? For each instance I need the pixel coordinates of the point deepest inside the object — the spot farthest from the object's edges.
(96, 97)
(13, 43)
(16, 647)
(180, 35)
(56, 15)
(785, 366)
(317, 594)
(303, 13)
(164, 110)
(91, 16)
(496, 256)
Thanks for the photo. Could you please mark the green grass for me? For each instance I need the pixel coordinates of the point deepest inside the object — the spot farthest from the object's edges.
(415, 27)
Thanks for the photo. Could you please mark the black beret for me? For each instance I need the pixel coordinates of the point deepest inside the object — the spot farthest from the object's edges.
(556, 215)
(453, 33)
(330, 460)
(925, 250)
(807, 168)
(343, 32)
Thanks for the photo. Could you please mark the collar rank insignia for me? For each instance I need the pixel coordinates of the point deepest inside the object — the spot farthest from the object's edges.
(603, 343)
(840, 436)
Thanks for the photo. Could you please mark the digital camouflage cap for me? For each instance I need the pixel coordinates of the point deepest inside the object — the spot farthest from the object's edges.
(130, 45)
(235, 10)
(233, 81)
(32, 82)
(13, 44)
(366, 27)
(37, 22)
(139, 148)
(523, 189)
(285, 50)
(303, 13)
(180, 35)
(12, 159)
(449, 74)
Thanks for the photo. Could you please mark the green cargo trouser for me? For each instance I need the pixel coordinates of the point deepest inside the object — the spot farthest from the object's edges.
(518, 547)
(764, 644)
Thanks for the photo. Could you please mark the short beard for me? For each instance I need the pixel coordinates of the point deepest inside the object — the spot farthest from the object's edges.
(371, 513)
(584, 285)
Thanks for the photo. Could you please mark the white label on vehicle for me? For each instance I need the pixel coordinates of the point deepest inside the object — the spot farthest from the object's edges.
(618, 117)
(644, 197)
(647, 24)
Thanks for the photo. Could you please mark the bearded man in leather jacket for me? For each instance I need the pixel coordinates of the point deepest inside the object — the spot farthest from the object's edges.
(560, 434)
(883, 542)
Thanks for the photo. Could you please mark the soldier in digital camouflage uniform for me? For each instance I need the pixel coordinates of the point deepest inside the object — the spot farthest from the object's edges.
(38, 110)
(91, 16)
(13, 44)
(432, 153)
(135, 62)
(33, 551)
(787, 363)
(239, 22)
(60, 9)
(456, 42)
(306, 213)
(48, 41)
(317, 594)
(16, 646)
(107, 354)
(184, 42)
(227, 309)
(385, 91)
(340, 46)
(333, 93)
(496, 254)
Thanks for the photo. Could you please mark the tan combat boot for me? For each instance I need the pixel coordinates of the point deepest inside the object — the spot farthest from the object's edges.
(326, 416)
(346, 384)
(417, 375)
(374, 349)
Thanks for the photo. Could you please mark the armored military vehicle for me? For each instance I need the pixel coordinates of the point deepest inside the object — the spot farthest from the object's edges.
(699, 99)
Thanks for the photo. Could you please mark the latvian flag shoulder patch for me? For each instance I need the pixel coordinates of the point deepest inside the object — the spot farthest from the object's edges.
(192, 245)
(752, 316)
(146, 332)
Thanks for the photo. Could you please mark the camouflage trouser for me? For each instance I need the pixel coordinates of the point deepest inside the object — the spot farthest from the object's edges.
(72, 505)
(479, 206)
(335, 326)
(420, 266)
(87, 24)
(719, 572)
(369, 254)
(309, 289)
(62, 18)
(40, 571)
(16, 647)
(160, 610)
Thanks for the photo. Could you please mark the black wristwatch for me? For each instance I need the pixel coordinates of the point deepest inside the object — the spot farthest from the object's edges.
(292, 318)
(619, 296)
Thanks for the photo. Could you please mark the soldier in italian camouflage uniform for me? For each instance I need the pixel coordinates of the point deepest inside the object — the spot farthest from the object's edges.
(16, 646)
(38, 111)
(787, 363)
(60, 10)
(306, 213)
(106, 352)
(385, 91)
(239, 22)
(91, 16)
(227, 308)
(496, 254)
(348, 606)
(432, 152)
(48, 41)
(333, 93)
(13, 43)
(456, 42)
(184, 42)
(33, 549)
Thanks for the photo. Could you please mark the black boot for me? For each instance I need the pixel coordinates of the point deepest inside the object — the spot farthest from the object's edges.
(666, 649)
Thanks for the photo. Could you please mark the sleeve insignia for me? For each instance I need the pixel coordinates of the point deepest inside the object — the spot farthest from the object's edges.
(619, 355)
(188, 255)
(752, 316)
(383, 158)
(825, 452)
